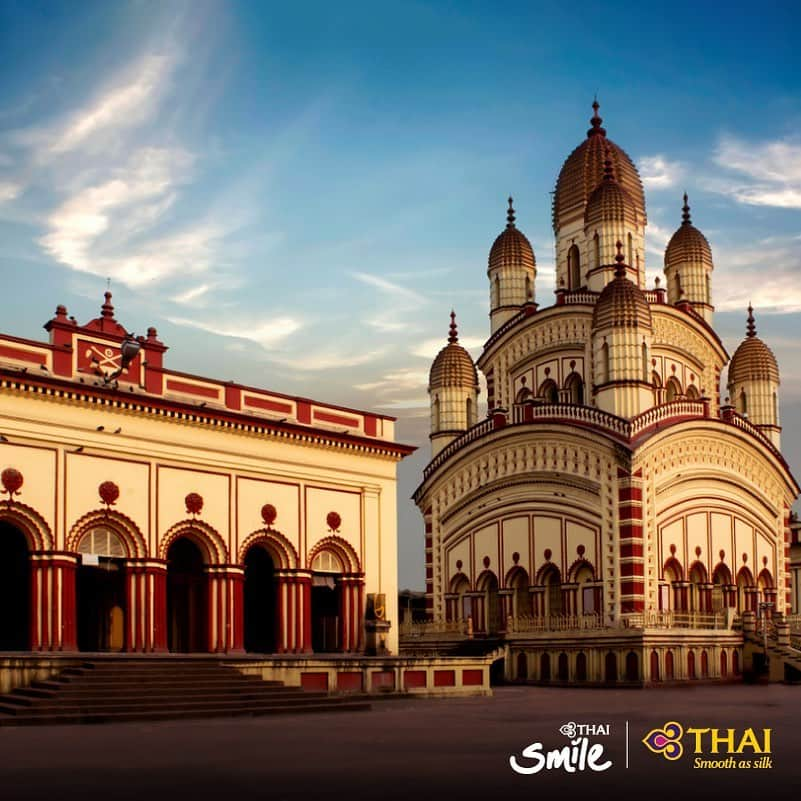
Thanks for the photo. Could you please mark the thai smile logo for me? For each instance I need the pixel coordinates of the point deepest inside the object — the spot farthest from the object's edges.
(666, 741)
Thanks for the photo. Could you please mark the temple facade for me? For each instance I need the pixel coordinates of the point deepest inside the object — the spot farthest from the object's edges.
(616, 514)
(146, 510)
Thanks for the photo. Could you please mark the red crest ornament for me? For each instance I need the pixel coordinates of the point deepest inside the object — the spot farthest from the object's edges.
(12, 481)
(268, 514)
(194, 503)
(109, 492)
(334, 521)
(547, 554)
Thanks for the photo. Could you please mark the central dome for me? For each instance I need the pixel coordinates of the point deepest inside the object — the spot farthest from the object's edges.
(583, 171)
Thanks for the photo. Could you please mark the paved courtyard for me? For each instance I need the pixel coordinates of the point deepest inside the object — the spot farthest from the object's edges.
(407, 749)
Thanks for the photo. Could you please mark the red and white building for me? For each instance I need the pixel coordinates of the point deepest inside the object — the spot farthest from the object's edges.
(146, 510)
(612, 516)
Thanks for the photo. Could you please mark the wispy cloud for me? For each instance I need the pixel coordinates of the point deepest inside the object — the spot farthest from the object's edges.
(264, 334)
(769, 172)
(388, 287)
(658, 172)
(8, 191)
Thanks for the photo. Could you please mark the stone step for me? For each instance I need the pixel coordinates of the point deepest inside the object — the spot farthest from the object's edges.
(161, 691)
(331, 705)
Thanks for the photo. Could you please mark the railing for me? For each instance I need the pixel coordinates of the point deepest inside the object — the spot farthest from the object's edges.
(422, 628)
(794, 621)
(556, 623)
(667, 411)
(581, 296)
(675, 620)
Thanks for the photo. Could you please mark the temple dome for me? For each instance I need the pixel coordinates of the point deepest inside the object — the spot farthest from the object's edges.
(688, 244)
(609, 201)
(621, 303)
(753, 360)
(453, 366)
(511, 247)
(583, 170)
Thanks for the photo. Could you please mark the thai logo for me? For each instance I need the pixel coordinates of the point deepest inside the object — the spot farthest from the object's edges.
(666, 741)
(578, 755)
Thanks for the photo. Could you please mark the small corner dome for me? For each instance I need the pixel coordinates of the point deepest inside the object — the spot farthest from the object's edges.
(621, 304)
(453, 366)
(511, 247)
(688, 244)
(753, 360)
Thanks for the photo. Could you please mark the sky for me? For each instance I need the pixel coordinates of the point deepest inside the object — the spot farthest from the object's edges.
(296, 195)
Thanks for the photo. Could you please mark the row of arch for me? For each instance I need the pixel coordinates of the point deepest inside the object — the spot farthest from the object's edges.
(572, 391)
(611, 666)
(576, 280)
(696, 593)
(488, 605)
(105, 593)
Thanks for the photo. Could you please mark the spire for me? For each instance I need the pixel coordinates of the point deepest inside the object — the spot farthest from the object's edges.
(107, 310)
(510, 215)
(750, 327)
(453, 335)
(685, 212)
(596, 121)
(620, 270)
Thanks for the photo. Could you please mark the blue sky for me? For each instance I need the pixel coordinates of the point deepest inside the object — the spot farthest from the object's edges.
(296, 195)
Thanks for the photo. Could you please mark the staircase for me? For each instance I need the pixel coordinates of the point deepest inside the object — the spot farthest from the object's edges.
(123, 691)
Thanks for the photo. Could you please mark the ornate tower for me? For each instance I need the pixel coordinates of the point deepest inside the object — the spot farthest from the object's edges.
(754, 383)
(578, 252)
(688, 267)
(453, 392)
(511, 271)
(621, 344)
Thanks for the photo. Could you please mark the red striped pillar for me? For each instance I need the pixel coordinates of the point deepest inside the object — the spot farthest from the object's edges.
(236, 579)
(788, 538)
(632, 563)
(281, 605)
(429, 563)
(52, 602)
(157, 586)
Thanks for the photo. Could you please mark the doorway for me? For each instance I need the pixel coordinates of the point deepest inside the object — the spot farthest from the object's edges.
(260, 606)
(187, 589)
(15, 592)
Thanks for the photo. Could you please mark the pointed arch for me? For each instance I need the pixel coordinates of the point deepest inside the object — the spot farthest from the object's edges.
(765, 579)
(459, 583)
(574, 267)
(721, 574)
(120, 524)
(341, 548)
(514, 575)
(575, 386)
(546, 569)
(203, 535)
(549, 391)
(673, 389)
(485, 580)
(697, 569)
(32, 525)
(692, 392)
(746, 575)
(282, 551)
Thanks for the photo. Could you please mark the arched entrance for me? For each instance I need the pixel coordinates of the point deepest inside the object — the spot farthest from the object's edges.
(326, 602)
(100, 590)
(553, 591)
(15, 592)
(260, 606)
(187, 589)
(488, 584)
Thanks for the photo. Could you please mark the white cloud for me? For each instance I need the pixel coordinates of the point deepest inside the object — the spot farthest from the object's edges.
(328, 359)
(398, 380)
(264, 334)
(657, 172)
(388, 286)
(191, 295)
(9, 190)
(770, 172)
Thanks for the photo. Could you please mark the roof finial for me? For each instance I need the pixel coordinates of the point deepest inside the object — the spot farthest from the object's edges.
(596, 121)
(751, 327)
(620, 270)
(107, 310)
(510, 215)
(685, 212)
(453, 335)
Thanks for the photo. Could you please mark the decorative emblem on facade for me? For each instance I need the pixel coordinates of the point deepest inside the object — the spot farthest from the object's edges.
(12, 482)
(194, 503)
(697, 550)
(459, 564)
(722, 554)
(580, 550)
(515, 557)
(268, 514)
(547, 554)
(486, 561)
(109, 492)
(334, 522)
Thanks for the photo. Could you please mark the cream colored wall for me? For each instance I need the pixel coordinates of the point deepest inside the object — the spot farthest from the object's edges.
(157, 462)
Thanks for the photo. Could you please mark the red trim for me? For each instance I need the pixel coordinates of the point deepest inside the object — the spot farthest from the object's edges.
(314, 681)
(370, 425)
(630, 494)
(444, 678)
(193, 389)
(22, 355)
(632, 587)
(350, 681)
(631, 549)
(233, 397)
(336, 419)
(271, 406)
(413, 679)
(471, 678)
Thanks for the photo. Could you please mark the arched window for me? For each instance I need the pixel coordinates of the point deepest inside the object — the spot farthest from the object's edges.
(775, 409)
(596, 251)
(522, 666)
(742, 402)
(529, 289)
(469, 412)
(691, 665)
(669, 666)
(654, 666)
(692, 392)
(721, 579)
(327, 562)
(744, 581)
(562, 667)
(574, 267)
(606, 375)
(630, 250)
(673, 389)
(632, 667)
(724, 664)
(552, 580)
(708, 298)
(704, 665)
(576, 388)
(496, 293)
(521, 600)
(645, 369)
(610, 667)
(697, 579)
(102, 541)
(586, 592)
(435, 414)
(549, 392)
(545, 667)
(581, 667)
